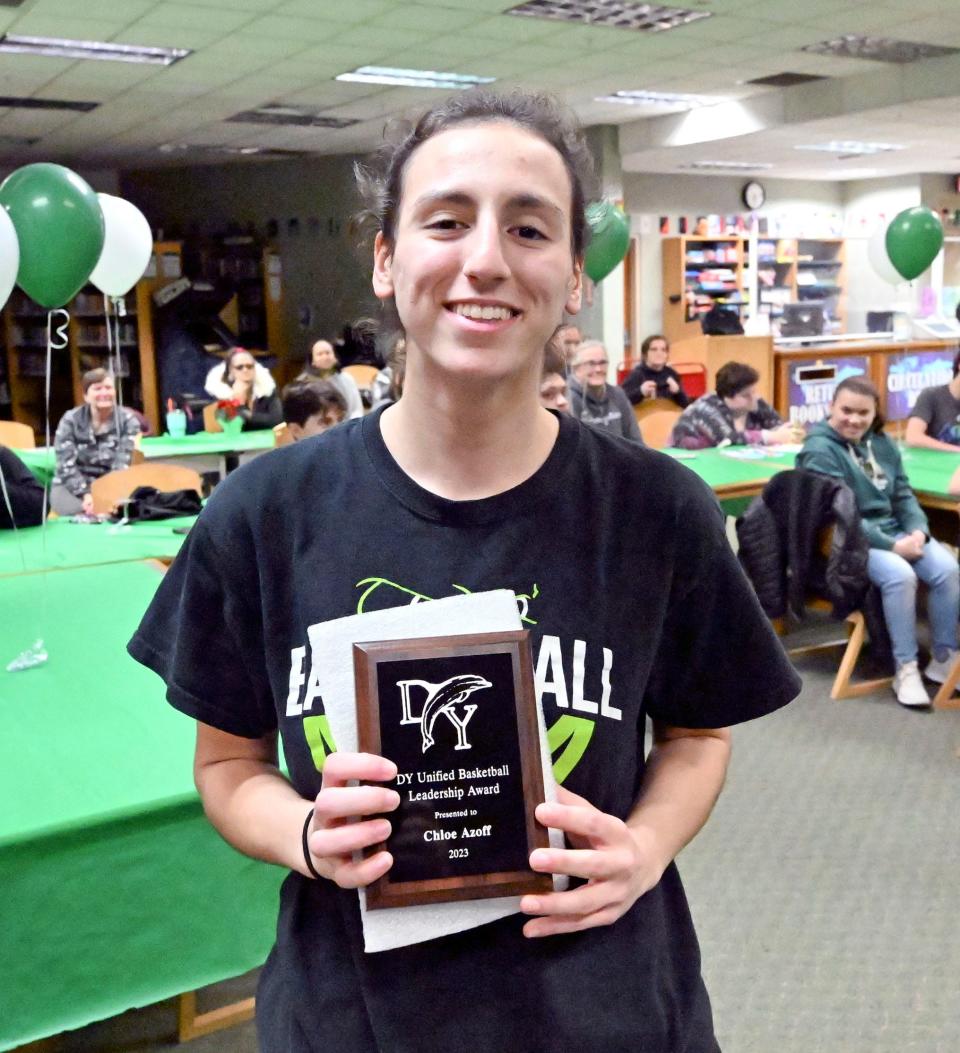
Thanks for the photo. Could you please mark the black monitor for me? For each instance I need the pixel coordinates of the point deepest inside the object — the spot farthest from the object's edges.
(879, 321)
(803, 319)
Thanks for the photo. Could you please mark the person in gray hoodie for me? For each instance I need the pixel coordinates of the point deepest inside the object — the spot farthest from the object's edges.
(851, 445)
(596, 402)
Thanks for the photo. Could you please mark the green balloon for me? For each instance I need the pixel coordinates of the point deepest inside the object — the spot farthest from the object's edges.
(60, 228)
(914, 238)
(609, 239)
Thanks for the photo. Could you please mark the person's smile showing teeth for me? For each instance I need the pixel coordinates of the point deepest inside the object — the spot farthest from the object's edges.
(476, 311)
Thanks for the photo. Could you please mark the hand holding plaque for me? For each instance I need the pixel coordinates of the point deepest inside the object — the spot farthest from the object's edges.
(457, 715)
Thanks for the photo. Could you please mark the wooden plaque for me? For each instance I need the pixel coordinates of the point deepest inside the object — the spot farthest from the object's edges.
(457, 715)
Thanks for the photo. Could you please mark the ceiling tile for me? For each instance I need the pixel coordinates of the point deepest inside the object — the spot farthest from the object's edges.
(188, 16)
(94, 9)
(514, 30)
(426, 20)
(37, 23)
(348, 13)
(379, 42)
(308, 30)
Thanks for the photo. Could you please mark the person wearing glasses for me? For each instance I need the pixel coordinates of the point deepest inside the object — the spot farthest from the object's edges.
(244, 379)
(596, 402)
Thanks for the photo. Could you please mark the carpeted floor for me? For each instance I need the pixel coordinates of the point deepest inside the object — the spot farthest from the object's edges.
(826, 889)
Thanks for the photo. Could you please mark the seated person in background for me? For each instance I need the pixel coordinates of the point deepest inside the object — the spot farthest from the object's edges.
(243, 378)
(323, 365)
(653, 378)
(850, 445)
(387, 385)
(934, 422)
(91, 440)
(596, 402)
(312, 406)
(21, 496)
(568, 338)
(735, 415)
(553, 380)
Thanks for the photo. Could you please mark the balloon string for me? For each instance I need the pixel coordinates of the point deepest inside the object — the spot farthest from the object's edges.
(113, 361)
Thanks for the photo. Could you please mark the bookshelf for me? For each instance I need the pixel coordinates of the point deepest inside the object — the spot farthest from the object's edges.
(24, 333)
(253, 270)
(791, 270)
(699, 272)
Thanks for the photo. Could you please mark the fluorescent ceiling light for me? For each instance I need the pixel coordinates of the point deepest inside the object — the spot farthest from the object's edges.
(732, 166)
(413, 78)
(658, 98)
(60, 47)
(850, 147)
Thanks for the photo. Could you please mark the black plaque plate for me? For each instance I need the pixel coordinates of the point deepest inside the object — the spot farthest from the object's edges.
(457, 715)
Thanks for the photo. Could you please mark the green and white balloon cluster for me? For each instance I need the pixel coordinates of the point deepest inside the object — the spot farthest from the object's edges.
(905, 248)
(56, 234)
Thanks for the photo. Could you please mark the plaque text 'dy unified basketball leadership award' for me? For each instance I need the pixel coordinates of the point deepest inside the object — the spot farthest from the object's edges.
(457, 715)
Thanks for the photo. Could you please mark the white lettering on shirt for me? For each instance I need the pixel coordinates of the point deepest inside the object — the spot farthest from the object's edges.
(584, 705)
(297, 680)
(550, 660)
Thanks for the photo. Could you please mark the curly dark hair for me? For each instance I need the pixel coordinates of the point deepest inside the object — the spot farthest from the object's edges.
(380, 181)
(733, 377)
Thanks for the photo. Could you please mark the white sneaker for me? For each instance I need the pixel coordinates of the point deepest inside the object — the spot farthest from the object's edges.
(908, 686)
(939, 671)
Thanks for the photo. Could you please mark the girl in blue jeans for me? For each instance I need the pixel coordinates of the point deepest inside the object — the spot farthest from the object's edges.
(851, 445)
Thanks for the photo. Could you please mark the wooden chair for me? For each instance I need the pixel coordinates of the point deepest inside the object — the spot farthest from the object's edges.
(16, 435)
(856, 627)
(210, 422)
(363, 375)
(656, 418)
(115, 486)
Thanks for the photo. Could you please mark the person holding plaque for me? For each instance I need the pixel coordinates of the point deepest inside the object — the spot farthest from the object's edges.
(623, 577)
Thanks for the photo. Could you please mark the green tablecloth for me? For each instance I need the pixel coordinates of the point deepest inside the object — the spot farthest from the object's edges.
(721, 469)
(929, 471)
(116, 892)
(41, 460)
(67, 544)
(206, 442)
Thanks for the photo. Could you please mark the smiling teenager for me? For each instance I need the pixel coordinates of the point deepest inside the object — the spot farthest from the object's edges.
(851, 445)
(625, 579)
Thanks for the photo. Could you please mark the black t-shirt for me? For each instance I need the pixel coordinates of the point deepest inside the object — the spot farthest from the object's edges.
(637, 607)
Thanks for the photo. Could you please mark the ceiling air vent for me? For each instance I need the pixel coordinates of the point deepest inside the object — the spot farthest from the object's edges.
(786, 80)
(295, 116)
(16, 102)
(620, 14)
(879, 49)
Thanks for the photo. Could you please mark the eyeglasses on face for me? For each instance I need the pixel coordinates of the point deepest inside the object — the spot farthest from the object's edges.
(243, 365)
(593, 364)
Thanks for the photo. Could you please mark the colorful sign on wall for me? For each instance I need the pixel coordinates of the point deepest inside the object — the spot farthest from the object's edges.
(811, 385)
(908, 375)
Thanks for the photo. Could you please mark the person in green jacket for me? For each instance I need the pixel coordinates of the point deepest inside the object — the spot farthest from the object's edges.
(851, 445)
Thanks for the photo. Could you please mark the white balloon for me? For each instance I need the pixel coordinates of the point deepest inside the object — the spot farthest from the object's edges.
(127, 246)
(878, 257)
(9, 256)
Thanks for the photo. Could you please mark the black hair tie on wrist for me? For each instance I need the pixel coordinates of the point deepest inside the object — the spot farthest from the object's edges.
(306, 848)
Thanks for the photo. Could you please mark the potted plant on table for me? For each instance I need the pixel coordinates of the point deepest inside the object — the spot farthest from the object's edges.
(228, 415)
